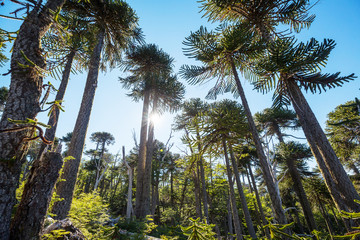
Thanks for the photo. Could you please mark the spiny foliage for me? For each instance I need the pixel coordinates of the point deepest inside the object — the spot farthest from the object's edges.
(263, 15)
(287, 61)
(198, 230)
(220, 51)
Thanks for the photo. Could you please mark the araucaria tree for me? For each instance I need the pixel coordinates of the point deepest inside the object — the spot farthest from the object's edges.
(222, 53)
(115, 25)
(289, 67)
(150, 80)
(27, 69)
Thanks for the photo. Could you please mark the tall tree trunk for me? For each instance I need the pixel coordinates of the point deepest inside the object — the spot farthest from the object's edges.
(203, 189)
(129, 194)
(263, 219)
(65, 189)
(30, 215)
(197, 196)
(320, 144)
(148, 161)
(298, 186)
(268, 179)
(244, 205)
(22, 102)
(300, 192)
(229, 219)
(141, 166)
(54, 117)
(235, 213)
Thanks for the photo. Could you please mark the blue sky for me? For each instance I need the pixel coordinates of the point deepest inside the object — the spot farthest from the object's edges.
(167, 23)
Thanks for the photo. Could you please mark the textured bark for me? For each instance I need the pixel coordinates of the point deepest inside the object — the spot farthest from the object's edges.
(65, 189)
(323, 152)
(22, 102)
(270, 185)
(244, 205)
(30, 215)
(237, 224)
(141, 166)
(54, 117)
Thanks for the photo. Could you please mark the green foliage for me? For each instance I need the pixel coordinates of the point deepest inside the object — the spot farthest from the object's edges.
(133, 229)
(55, 234)
(198, 230)
(343, 128)
(89, 213)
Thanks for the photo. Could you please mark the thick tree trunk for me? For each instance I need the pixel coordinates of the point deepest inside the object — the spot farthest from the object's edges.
(140, 211)
(22, 102)
(270, 184)
(323, 152)
(244, 205)
(237, 224)
(30, 215)
(65, 189)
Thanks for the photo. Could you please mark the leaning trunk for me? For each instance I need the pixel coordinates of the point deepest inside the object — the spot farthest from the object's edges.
(300, 192)
(270, 184)
(244, 205)
(30, 215)
(320, 144)
(65, 189)
(22, 102)
(139, 198)
(54, 116)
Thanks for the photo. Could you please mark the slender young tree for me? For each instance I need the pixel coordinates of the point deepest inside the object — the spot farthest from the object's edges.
(116, 25)
(22, 102)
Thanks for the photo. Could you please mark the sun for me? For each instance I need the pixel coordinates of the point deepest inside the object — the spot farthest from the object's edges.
(155, 118)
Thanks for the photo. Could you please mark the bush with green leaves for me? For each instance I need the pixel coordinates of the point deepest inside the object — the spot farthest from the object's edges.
(89, 213)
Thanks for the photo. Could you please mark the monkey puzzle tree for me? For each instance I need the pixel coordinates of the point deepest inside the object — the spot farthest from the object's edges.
(289, 67)
(263, 16)
(292, 155)
(27, 69)
(222, 53)
(274, 120)
(227, 124)
(343, 129)
(147, 64)
(116, 25)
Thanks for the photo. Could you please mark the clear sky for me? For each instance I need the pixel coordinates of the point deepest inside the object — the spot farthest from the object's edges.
(166, 23)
